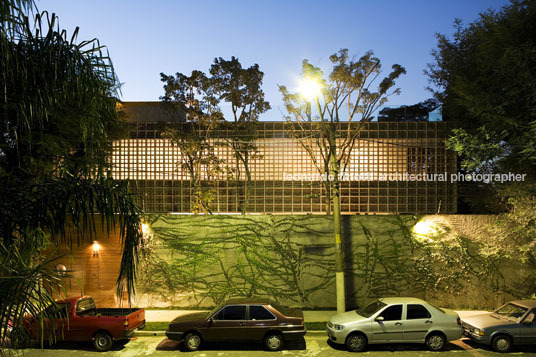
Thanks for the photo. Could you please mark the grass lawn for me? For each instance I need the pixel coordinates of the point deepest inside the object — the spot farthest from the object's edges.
(162, 326)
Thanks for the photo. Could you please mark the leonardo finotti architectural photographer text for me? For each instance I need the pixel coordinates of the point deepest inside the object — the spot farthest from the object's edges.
(405, 176)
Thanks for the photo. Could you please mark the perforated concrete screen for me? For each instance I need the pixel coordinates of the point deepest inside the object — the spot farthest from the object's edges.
(393, 168)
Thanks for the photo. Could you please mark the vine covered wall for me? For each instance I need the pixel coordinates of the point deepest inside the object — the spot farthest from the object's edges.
(198, 261)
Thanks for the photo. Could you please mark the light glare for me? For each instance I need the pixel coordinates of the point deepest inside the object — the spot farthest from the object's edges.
(309, 89)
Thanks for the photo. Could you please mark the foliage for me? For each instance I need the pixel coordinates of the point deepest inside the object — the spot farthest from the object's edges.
(27, 284)
(345, 101)
(58, 113)
(242, 88)
(234, 257)
(58, 100)
(202, 260)
(415, 112)
(193, 103)
(484, 78)
(511, 240)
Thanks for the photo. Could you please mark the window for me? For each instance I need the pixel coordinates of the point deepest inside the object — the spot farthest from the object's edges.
(529, 320)
(392, 313)
(233, 312)
(370, 309)
(85, 306)
(417, 312)
(257, 312)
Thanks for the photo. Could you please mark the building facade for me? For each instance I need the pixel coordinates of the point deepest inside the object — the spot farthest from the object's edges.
(393, 168)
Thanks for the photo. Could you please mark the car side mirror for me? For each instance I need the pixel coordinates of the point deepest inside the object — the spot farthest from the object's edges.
(379, 318)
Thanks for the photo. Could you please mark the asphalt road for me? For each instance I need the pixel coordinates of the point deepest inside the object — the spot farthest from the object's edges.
(315, 345)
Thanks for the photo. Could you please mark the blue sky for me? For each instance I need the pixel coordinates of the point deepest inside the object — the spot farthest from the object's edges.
(145, 38)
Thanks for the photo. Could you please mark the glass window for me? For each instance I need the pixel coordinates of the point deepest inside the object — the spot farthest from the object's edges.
(417, 312)
(511, 311)
(233, 312)
(370, 309)
(392, 313)
(85, 306)
(529, 320)
(257, 312)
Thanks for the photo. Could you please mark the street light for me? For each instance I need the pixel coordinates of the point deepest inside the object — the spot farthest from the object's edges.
(310, 89)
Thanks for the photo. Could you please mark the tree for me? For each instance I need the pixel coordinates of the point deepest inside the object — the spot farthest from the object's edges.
(415, 112)
(193, 103)
(242, 88)
(484, 78)
(58, 113)
(344, 102)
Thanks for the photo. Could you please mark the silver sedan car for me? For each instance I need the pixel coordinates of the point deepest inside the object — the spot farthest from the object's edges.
(395, 320)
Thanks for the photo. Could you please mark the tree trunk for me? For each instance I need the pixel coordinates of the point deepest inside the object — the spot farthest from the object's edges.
(339, 265)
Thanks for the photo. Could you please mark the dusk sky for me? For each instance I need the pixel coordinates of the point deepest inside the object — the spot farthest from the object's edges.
(145, 38)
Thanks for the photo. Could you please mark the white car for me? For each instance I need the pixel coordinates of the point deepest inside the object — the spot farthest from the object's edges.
(395, 320)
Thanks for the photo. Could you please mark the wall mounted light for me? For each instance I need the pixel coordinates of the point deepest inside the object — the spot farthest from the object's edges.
(95, 248)
(61, 270)
(428, 229)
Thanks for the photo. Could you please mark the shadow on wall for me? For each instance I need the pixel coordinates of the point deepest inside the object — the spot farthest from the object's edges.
(198, 261)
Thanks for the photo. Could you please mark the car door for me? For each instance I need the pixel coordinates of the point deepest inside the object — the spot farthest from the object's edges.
(391, 328)
(417, 323)
(259, 321)
(228, 324)
(55, 323)
(527, 329)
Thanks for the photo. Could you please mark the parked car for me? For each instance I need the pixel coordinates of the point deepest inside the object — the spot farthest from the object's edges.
(77, 319)
(395, 320)
(512, 323)
(245, 319)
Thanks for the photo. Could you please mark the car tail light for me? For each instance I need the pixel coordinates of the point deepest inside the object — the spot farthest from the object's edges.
(125, 325)
(459, 321)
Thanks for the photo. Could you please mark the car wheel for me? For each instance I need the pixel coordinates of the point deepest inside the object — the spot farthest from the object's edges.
(19, 338)
(356, 342)
(502, 343)
(436, 341)
(273, 341)
(192, 341)
(102, 341)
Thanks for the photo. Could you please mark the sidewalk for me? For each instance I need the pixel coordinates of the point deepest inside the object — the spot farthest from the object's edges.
(310, 316)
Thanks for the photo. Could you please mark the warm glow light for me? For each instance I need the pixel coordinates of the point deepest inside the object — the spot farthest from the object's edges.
(96, 248)
(310, 89)
(426, 230)
(145, 229)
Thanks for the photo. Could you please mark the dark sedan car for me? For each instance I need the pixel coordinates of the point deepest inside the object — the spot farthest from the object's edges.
(512, 323)
(246, 319)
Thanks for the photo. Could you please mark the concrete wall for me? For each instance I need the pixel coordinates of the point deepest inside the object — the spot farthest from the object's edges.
(197, 261)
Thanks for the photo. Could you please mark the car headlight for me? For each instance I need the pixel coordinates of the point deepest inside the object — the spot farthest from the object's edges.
(338, 327)
(478, 332)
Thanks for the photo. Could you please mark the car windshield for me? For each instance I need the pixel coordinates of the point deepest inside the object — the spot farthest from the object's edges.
(371, 308)
(511, 311)
(215, 310)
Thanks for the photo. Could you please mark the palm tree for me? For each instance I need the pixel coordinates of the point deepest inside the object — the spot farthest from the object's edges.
(58, 116)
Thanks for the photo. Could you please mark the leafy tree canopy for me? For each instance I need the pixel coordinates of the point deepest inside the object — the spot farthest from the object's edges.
(484, 77)
(415, 112)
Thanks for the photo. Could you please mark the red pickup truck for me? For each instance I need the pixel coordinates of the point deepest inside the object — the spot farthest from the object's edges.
(77, 319)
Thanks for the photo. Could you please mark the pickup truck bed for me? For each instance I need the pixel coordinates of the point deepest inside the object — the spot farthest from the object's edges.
(77, 319)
